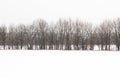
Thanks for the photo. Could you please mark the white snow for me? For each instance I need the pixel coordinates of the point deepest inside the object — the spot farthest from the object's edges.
(96, 47)
(59, 64)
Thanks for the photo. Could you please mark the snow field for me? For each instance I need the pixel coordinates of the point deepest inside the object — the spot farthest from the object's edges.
(59, 64)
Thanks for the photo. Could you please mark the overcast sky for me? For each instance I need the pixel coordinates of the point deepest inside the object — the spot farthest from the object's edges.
(25, 11)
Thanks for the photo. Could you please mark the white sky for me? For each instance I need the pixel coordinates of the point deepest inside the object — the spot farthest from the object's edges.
(25, 11)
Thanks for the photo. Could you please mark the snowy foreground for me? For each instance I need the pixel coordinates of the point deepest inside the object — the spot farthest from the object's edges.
(96, 48)
(59, 64)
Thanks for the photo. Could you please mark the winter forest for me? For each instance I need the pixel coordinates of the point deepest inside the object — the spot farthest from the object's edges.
(65, 34)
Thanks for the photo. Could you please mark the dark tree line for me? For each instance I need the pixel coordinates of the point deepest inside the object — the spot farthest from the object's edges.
(62, 35)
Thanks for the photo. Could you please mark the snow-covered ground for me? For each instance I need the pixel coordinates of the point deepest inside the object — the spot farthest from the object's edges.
(96, 47)
(59, 64)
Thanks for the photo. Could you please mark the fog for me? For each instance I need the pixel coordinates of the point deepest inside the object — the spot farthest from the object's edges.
(25, 11)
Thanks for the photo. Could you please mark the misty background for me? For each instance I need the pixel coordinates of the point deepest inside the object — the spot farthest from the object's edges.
(26, 11)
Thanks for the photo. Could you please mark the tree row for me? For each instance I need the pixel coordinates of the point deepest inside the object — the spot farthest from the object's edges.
(65, 34)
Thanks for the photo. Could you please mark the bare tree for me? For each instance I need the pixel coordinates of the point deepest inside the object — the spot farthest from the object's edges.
(91, 36)
(21, 35)
(11, 36)
(116, 36)
(61, 34)
(84, 36)
(3, 33)
(68, 31)
(51, 38)
(30, 38)
(105, 34)
(77, 34)
(41, 35)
